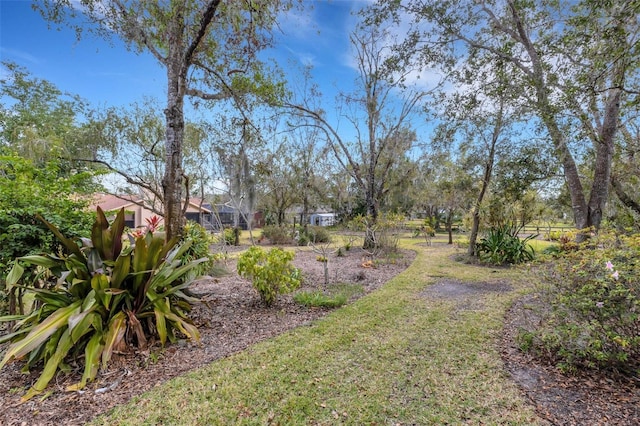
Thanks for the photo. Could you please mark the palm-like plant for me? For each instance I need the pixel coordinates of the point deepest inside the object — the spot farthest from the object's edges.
(98, 297)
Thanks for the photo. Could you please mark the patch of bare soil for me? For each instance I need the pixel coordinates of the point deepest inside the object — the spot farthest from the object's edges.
(588, 398)
(230, 318)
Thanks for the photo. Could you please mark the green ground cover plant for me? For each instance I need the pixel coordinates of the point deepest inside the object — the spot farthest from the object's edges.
(394, 356)
(335, 295)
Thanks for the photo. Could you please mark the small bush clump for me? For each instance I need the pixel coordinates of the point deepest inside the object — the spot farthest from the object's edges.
(231, 236)
(316, 235)
(279, 235)
(199, 248)
(380, 235)
(592, 310)
(271, 272)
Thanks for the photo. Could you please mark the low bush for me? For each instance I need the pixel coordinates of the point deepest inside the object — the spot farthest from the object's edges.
(592, 310)
(271, 272)
(553, 235)
(315, 235)
(380, 235)
(279, 235)
(200, 242)
(231, 236)
(462, 242)
(502, 246)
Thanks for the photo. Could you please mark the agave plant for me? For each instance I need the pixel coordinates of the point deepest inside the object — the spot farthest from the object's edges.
(98, 297)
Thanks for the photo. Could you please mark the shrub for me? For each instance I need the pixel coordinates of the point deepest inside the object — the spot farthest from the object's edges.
(99, 298)
(314, 234)
(462, 242)
(271, 272)
(554, 235)
(502, 246)
(277, 234)
(592, 319)
(231, 236)
(382, 234)
(28, 190)
(199, 248)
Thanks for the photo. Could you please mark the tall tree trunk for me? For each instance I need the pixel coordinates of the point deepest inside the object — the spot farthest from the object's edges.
(372, 212)
(450, 225)
(173, 175)
(486, 180)
(586, 214)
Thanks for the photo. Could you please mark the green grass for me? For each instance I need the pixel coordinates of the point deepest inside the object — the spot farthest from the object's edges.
(335, 296)
(393, 357)
(540, 245)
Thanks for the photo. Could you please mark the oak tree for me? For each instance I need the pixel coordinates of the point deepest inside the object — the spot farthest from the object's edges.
(208, 48)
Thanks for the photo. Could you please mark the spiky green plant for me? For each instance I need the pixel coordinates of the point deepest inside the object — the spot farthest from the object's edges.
(502, 246)
(99, 297)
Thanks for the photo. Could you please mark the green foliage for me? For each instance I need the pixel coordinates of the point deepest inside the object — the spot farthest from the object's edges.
(592, 301)
(462, 242)
(302, 239)
(318, 299)
(271, 272)
(39, 122)
(231, 236)
(27, 191)
(313, 234)
(280, 235)
(426, 230)
(553, 235)
(335, 296)
(502, 246)
(319, 234)
(382, 233)
(199, 248)
(98, 298)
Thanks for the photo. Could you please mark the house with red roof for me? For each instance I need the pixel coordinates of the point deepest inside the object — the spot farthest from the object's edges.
(138, 209)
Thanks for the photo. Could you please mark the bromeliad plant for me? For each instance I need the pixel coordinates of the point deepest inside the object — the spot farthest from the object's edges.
(98, 298)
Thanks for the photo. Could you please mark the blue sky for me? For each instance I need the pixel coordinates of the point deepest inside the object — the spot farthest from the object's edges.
(106, 74)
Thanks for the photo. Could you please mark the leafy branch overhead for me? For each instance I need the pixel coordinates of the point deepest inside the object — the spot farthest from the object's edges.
(209, 49)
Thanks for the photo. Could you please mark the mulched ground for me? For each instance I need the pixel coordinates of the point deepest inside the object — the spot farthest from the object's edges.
(231, 318)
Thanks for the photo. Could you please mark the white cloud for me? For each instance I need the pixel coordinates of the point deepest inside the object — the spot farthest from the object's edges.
(19, 54)
(299, 24)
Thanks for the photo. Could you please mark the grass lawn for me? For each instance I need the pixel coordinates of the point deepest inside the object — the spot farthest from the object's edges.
(395, 357)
